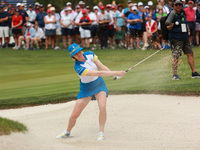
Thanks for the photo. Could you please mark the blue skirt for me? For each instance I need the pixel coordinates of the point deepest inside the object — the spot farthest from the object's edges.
(92, 88)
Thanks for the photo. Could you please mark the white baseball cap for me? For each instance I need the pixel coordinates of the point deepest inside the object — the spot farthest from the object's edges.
(69, 3)
(18, 4)
(140, 3)
(146, 7)
(95, 7)
(69, 8)
(150, 3)
(38, 4)
(28, 24)
(134, 8)
(81, 3)
(135, 4)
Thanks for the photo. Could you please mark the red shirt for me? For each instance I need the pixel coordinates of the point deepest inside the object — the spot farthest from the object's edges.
(16, 20)
(151, 26)
(190, 14)
(86, 19)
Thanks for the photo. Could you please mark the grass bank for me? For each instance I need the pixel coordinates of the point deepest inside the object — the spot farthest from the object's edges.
(39, 77)
(7, 126)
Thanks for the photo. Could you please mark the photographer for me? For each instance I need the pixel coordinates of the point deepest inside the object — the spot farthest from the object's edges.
(179, 37)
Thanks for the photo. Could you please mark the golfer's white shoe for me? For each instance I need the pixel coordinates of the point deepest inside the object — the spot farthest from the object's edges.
(100, 136)
(63, 135)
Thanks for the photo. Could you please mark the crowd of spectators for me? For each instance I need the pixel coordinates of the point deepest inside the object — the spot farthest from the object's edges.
(105, 26)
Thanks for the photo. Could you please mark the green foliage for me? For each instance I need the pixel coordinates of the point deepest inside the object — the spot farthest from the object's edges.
(7, 126)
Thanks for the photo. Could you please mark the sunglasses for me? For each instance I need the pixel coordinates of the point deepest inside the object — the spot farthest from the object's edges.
(178, 4)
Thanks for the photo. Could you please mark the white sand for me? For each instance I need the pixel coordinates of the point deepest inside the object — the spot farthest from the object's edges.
(135, 122)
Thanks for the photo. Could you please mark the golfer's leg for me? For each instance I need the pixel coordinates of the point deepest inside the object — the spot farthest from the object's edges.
(101, 99)
(78, 108)
(191, 62)
(175, 65)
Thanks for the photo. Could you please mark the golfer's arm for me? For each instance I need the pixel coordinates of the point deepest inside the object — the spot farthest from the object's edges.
(101, 73)
(101, 66)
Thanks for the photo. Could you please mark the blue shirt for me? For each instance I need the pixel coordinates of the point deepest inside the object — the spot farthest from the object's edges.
(119, 19)
(4, 15)
(40, 19)
(24, 14)
(176, 32)
(83, 67)
(126, 9)
(137, 25)
(32, 32)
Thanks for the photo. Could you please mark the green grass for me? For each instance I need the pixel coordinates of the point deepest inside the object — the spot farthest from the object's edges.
(7, 126)
(39, 77)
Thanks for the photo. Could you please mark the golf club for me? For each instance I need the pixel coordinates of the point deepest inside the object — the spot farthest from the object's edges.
(119, 77)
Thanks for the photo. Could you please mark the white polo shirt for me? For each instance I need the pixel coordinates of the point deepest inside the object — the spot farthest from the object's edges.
(82, 68)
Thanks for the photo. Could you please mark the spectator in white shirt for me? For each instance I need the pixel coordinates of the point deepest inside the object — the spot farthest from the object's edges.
(67, 31)
(58, 29)
(39, 37)
(32, 14)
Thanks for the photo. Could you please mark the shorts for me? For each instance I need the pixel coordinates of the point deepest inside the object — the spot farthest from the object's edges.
(84, 33)
(94, 30)
(51, 32)
(76, 31)
(178, 46)
(66, 31)
(197, 26)
(23, 30)
(191, 25)
(135, 33)
(58, 31)
(4, 31)
(111, 31)
(17, 31)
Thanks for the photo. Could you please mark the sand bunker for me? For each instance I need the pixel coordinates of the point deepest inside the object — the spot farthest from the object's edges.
(135, 122)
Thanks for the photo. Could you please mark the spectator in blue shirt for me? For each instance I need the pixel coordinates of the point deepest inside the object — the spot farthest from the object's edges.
(25, 17)
(127, 8)
(4, 25)
(40, 17)
(135, 26)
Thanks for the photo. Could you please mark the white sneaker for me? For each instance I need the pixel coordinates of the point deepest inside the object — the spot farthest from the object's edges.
(15, 47)
(143, 48)
(56, 48)
(100, 136)
(63, 135)
(146, 45)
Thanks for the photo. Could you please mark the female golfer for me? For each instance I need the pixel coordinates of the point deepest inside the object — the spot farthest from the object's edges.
(92, 86)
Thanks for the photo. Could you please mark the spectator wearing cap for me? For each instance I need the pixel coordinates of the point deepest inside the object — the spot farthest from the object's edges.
(94, 26)
(25, 18)
(127, 8)
(190, 15)
(135, 27)
(4, 26)
(40, 17)
(103, 20)
(37, 8)
(18, 5)
(81, 4)
(119, 23)
(49, 6)
(17, 21)
(127, 30)
(140, 9)
(184, 3)
(68, 5)
(66, 22)
(197, 23)
(32, 14)
(85, 25)
(39, 37)
(27, 37)
(58, 29)
(50, 29)
(111, 25)
(77, 16)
